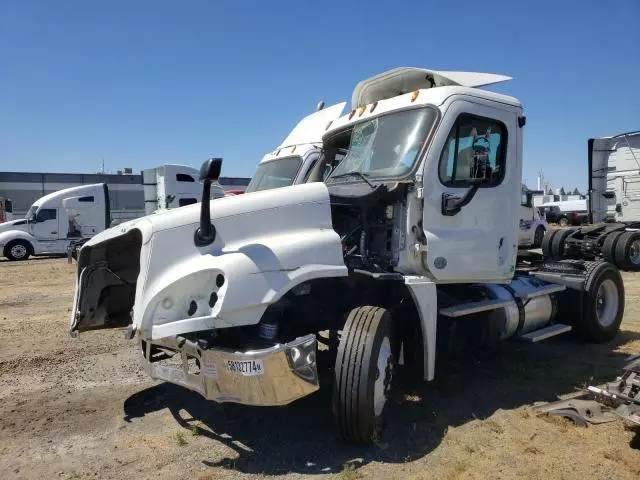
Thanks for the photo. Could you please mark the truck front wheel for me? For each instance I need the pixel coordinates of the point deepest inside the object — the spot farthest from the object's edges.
(17, 250)
(363, 374)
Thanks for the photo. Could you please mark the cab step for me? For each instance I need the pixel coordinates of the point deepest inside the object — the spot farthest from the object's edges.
(544, 333)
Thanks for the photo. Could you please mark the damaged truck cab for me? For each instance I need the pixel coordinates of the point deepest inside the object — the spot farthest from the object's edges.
(408, 248)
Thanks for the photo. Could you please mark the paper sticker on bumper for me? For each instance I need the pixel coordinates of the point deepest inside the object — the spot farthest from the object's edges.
(210, 370)
(247, 368)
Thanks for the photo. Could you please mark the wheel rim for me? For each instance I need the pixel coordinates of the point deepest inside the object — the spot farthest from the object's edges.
(18, 251)
(634, 252)
(382, 384)
(607, 303)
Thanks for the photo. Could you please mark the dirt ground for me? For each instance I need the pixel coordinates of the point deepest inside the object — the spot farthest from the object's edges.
(82, 408)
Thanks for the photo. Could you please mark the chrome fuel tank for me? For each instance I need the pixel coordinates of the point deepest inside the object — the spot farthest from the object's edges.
(532, 305)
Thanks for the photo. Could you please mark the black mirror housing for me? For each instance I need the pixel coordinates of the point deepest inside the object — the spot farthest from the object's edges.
(210, 169)
(206, 232)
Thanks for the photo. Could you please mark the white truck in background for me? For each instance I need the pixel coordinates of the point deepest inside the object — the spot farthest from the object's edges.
(292, 161)
(614, 207)
(409, 247)
(56, 220)
(173, 186)
(533, 226)
(66, 219)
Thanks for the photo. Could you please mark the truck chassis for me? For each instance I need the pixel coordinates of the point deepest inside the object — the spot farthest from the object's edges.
(617, 243)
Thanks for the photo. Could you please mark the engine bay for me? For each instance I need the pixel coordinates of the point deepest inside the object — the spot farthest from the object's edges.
(370, 224)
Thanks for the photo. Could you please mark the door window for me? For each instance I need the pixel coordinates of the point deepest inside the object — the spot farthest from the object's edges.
(187, 201)
(474, 143)
(46, 214)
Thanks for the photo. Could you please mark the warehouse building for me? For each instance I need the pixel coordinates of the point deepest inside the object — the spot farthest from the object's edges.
(125, 188)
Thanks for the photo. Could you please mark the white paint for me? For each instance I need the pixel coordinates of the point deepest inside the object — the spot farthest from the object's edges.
(403, 80)
(616, 169)
(311, 128)
(266, 244)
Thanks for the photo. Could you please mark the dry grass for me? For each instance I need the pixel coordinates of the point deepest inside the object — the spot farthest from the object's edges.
(83, 407)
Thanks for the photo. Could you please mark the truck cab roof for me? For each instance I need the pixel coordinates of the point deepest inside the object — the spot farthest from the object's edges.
(411, 87)
(399, 81)
(56, 198)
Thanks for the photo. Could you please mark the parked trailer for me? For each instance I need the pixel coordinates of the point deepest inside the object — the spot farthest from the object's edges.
(408, 247)
(614, 196)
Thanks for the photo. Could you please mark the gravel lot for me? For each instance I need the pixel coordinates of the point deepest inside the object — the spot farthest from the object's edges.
(82, 408)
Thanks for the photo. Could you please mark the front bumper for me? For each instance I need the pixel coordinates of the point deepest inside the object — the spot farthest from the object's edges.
(285, 372)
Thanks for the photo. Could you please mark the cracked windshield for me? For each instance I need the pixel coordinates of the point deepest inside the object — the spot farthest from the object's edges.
(387, 146)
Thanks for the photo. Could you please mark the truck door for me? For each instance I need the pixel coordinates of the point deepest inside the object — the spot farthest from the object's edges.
(45, 227)
(479, 242)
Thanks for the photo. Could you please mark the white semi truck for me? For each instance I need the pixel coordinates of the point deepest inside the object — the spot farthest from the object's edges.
(614, 207)
(56, 220)
(408, 247)
(69, 217)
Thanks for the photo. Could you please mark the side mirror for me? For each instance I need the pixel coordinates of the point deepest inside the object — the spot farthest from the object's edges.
(210, 169)
(209, 172)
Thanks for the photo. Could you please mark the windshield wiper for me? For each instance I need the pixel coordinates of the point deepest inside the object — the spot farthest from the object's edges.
(363, 176)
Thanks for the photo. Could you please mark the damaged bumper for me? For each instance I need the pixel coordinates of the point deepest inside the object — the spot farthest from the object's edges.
(273, 376)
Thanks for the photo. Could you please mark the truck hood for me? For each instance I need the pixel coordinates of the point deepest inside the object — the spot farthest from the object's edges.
(266, 243)
(19, 224)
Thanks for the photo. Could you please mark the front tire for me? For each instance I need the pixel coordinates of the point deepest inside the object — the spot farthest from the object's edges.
(363, 374)
(603, 305)
(17, 250)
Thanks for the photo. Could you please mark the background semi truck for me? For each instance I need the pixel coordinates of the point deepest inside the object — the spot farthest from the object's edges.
(614, 213)
(68, 218)
(407, 250)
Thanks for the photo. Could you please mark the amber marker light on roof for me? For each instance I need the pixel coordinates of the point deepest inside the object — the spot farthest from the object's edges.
(373, 106)
(414, 95)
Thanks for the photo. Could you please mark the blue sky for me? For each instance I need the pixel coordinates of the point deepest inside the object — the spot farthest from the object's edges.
(141, 83)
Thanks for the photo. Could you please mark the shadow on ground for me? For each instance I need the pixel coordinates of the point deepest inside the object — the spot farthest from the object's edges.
(300, 437)
(31, 259)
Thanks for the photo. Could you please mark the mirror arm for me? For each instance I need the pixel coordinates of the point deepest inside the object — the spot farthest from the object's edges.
(206, 233)
(452, 204)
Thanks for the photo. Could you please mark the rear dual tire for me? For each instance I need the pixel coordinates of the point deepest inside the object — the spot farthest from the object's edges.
(627, 251)
(603, 303)
(553, 243)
